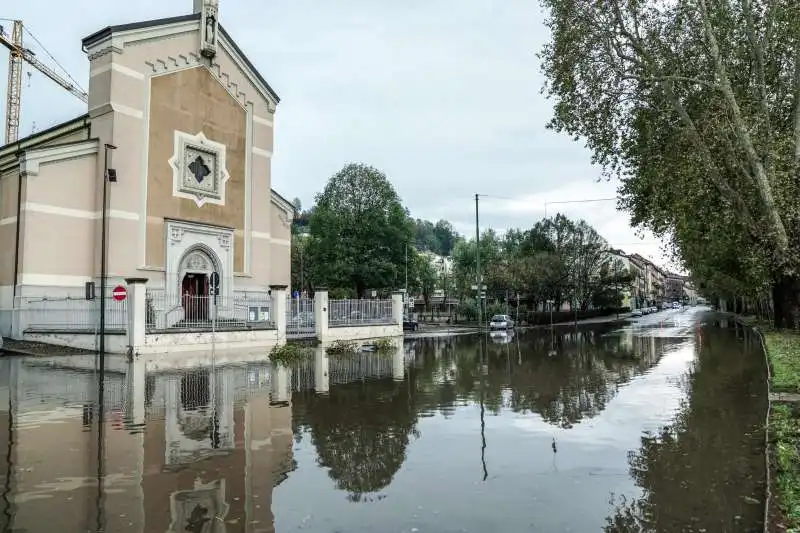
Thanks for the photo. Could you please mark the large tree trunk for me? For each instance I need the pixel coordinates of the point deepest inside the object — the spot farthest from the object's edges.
(786, 302)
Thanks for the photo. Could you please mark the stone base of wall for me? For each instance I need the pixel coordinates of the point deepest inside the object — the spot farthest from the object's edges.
(115, 343)
(356, 333)
(171, 361)
(205, 340)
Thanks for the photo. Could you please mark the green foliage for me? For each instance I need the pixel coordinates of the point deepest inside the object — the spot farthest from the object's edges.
(439, 238)
(301, 273)
(289, 353)
(784, 356)
(558, 259)
(785, 437)
(341, 349)
(384, 345)
(693, 105)
(422, 275)
(358, 231)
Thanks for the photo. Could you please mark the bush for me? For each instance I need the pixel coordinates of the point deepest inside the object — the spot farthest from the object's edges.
(342, 348)
(289, 353)
(384, 345)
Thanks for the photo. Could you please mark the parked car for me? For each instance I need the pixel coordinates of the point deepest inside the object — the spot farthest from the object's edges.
(676, 305)
(501, 322)
(410, 324)
(636, 313)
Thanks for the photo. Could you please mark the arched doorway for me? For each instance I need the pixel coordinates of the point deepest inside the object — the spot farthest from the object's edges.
(194, 276)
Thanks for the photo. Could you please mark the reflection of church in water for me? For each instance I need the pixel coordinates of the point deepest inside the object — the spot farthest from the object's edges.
(191, 444)
(217, 442)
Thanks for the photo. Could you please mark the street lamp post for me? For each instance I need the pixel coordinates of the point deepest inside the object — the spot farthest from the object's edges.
(478, 264)
(108, 175)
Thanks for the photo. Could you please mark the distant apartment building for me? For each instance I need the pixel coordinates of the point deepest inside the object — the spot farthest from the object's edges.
(674, 288)
(650, 287)
(621, 263)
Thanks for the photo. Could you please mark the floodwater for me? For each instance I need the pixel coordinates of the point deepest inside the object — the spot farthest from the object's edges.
(654, 427)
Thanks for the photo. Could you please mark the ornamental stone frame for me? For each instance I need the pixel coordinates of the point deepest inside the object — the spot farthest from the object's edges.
(199, 171)
(183, 241)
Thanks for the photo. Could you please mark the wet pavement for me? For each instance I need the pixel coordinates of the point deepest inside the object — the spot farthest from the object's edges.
(654, 426)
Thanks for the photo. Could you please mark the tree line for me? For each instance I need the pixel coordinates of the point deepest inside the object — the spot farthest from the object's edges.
(358, 237)
(695, 107)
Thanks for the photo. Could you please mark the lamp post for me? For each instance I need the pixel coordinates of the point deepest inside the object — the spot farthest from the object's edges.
(109, 175)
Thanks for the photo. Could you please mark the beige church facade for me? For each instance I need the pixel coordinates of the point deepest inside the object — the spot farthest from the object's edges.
(186, 123)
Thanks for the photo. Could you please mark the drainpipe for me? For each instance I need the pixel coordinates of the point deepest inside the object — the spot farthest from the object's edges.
(17, 237)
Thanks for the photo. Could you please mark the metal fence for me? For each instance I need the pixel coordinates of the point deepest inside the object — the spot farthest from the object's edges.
(243, 310)
(359, 312)
(70, 313)
(301, 321)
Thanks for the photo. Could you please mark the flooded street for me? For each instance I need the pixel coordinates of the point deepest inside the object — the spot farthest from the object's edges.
(653, 427)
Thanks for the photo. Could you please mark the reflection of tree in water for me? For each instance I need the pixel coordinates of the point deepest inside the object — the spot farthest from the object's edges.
(360, 430)
(575, 384)
(705, 471)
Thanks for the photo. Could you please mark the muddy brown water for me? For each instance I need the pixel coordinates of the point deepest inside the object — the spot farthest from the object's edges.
(656, 426)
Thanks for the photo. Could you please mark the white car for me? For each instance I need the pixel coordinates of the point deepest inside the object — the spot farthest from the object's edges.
(501, 322)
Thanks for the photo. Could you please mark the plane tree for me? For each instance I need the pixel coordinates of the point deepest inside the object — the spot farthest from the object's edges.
(695, 106)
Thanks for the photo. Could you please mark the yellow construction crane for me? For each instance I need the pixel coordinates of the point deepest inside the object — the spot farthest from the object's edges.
(19, 54)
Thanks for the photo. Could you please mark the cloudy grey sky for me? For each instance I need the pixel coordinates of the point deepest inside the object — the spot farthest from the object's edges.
(443, 96)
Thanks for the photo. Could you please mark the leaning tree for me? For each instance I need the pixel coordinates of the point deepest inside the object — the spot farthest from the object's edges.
(695, 106)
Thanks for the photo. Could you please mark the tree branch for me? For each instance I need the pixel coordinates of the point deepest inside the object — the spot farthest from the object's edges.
(757, 55)
(719, 181)
(796, 88)
(761, 178)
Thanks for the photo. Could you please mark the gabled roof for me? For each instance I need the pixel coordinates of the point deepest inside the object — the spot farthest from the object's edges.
(50, 134)
(110, 30)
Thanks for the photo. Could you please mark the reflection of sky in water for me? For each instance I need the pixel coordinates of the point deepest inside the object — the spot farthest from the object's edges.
(439, 486)
(380, 427)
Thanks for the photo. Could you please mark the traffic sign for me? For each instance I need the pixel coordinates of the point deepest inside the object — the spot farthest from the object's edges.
(296, 294)
(119, 293)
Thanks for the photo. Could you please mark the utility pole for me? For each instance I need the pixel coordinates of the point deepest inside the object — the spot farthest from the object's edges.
(478, 263)
(405, 303)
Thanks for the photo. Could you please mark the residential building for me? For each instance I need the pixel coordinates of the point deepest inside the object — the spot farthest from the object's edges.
(621, 263)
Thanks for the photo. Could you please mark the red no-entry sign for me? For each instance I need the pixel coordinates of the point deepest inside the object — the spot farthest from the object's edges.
(119, 293)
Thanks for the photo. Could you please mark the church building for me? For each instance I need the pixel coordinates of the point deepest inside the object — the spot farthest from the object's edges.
(179, 132)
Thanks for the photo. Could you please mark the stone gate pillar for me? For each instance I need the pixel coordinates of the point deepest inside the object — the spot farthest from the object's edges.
(321, 313)
(137, 313)
(278, 310)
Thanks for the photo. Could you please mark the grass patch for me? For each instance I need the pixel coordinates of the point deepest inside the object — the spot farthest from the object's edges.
(784, 355)
(783, 349)
(290, 353)
(785, 433)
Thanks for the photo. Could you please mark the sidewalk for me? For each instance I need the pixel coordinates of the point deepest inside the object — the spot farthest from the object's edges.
(442, 330)
(37, 349)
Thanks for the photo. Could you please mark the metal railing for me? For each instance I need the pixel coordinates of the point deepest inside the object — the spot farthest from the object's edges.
(69, 313)
(243, 310)
(359, 312)
(301, 320)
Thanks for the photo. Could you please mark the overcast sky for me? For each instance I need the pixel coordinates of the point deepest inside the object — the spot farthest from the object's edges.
(443, 96)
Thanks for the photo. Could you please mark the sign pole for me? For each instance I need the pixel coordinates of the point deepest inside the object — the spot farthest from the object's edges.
(214, 292)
